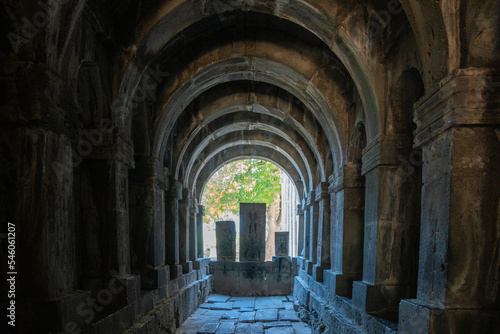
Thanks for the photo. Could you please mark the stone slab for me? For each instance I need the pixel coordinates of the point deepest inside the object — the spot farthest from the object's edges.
(209, 328)
(243, 328)
(269, 303)
(247, 317)
(267, 315)
(281, 243)
(288, 315)
(249, 303)
(222, 306)
(226, 327)
(218, 299)
(231, 315)
(253, 232)
(279, 330)
(226, 240)
(277, 324)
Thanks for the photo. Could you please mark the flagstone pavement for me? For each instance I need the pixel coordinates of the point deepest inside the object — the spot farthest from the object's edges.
(238, 315)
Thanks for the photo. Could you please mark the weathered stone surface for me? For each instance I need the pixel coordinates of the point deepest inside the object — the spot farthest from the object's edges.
(247, 317)
(266, 315)
(282, 243)
(252, 232)
(210, 328)
(226, 241)
(256, 328)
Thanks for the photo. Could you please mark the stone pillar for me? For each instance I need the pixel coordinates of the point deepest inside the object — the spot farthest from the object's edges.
(193, 231)
(184, 215)
(147, 222)
(172, 235)
(199, 224)
(313, 227)
(322, 197)
(282, 243)
(458, 131)
(391, 226)
(300, 232)
(307, 237)
(253, 232)
(347, 190)
(226, 241)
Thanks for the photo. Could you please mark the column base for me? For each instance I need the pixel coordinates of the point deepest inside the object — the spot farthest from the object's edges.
(61, 315)
(416, 317)
(377, 299)
(187, 267)
(176, 271)
(308, 267)
(153, 278)
(318, 273)
(340, 284)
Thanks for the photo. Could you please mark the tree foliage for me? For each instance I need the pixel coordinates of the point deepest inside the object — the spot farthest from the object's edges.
(242, 181)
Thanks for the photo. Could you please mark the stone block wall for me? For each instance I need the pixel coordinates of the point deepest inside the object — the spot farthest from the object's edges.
(254, 278)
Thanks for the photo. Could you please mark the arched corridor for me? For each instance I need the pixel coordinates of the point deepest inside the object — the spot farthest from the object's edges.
(384, 113)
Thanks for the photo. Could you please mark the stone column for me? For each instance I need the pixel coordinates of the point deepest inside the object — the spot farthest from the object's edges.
(322, 197)
(459, 133)
(199, 224)
(147, 222)
(172, 228)
(391, 226)
(300, 231)
(347, 190)
(307, 264)
(313, 226)
(184, 215)
(193, 230)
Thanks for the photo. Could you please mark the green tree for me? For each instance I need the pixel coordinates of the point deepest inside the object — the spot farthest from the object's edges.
(243, 181)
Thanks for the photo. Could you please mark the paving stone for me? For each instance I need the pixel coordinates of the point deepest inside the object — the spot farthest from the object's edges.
(290, 298)
(217, 299)
(268, 303)
(280, 330)
(242, 328)
(227, 327)
(205, 305)
(277, 324)
(267, 315)
(231, 315)
(209, 328)
(249, 303)
(222, 306)
(289, 315)
(247, 317)
(246, 309)
(288, 306)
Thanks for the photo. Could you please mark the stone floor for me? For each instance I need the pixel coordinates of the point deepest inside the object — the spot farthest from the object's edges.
(224, 314)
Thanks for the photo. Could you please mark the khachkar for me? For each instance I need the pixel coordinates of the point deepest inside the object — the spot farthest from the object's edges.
(253, 232)
(281, 243)
(226, 241)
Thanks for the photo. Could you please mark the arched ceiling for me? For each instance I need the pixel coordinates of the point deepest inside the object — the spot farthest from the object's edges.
(281, 80)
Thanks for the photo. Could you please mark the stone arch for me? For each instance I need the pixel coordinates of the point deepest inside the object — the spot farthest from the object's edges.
(245, 152)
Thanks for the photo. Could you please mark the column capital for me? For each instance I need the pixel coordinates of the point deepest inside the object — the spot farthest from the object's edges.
(310, 198)
(201, 210)
(186, 198)
(349, 176)
(386, 150)
(322, 191)
(466, 97)
(299, 209)
(174, 190)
